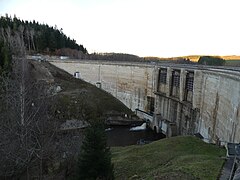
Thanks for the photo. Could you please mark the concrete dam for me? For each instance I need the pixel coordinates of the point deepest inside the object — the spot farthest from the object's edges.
(176, 99)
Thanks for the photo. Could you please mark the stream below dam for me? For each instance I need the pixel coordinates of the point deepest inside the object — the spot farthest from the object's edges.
(122, 136)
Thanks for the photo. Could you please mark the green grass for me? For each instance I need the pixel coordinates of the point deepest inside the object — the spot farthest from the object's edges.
(79, 97)
(232, 63)
(182, 157)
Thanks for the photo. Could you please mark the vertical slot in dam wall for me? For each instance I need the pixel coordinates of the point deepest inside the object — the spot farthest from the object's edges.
(183, 99)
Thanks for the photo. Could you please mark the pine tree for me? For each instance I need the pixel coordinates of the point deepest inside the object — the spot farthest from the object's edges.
(95, 157)
(5, 57)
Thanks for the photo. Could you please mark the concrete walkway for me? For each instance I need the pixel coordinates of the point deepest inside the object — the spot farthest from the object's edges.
(233, 154)
(227, 169)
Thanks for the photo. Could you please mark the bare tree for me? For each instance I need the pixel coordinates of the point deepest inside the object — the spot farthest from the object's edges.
(28, 39)
(22, 120)
(26, 130)
(32, 33)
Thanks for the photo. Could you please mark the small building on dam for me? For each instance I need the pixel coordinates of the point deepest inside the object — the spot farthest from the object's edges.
(175, 99)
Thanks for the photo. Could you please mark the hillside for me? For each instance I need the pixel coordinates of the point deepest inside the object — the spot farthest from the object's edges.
(179, 157)
(37, 37)
(233, 57)
(57, 107)
(229, 60)
(76, 94)
(195, 58)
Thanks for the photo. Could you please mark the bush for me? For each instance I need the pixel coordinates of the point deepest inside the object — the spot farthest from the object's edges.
(210, 60)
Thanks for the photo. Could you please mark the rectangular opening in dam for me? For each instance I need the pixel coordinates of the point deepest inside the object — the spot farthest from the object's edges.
(162, 79)
(150, 104)
(188, 95)
(175, 83)
(163, 76)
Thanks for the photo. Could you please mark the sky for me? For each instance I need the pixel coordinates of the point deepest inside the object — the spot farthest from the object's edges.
(162, 28)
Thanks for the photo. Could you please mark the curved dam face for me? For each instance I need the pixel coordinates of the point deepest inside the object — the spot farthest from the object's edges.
(176, 99)
(129, 83)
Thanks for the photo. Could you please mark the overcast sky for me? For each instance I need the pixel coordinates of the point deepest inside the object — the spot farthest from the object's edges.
(163, 28)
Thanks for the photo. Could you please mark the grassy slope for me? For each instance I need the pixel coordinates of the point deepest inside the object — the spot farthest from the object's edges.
(78, 97)
(173, 158)
(232, 63)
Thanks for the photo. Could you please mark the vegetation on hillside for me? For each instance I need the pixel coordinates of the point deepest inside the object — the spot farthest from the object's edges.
(231, 57)
(37, 37)
(5, 57)
(36, 101)
(229, 60)
(232, 63)
(27, 126)
(77, 96)
(133, 58)
(114, 57)
(183, 157)
(211, 60)
(94, 160)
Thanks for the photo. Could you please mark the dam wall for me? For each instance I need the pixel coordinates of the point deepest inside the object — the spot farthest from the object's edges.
(129, 83)
(219, 106)
(182, 99)
(199, 101)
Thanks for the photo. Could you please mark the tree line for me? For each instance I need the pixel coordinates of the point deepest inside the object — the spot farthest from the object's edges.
(113, 56)
(38, 37)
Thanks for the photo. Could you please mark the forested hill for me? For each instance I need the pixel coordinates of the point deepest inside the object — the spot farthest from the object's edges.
(37, 37)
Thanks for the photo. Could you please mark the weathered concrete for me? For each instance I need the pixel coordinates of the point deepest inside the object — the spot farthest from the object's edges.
(183, 99)
(220, 106)
(129, 83)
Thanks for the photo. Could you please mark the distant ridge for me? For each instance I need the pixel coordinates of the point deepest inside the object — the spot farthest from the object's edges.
(195, 58)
